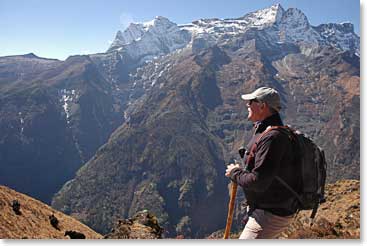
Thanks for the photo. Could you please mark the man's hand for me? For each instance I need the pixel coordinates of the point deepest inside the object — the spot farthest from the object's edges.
(230, 167)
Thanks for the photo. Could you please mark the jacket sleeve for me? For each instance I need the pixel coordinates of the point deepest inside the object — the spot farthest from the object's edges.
(268, 156)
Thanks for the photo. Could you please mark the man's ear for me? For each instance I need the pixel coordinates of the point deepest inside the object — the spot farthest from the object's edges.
(264, 106)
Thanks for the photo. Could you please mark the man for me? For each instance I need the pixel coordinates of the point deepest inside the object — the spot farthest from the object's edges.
(271, 206)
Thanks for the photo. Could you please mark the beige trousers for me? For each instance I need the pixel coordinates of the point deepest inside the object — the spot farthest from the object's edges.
(265, 225)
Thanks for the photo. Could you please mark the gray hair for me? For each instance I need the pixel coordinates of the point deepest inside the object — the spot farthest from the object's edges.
(273, 110)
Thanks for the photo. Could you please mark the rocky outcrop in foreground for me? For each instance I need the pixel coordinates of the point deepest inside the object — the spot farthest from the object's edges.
(143, 225)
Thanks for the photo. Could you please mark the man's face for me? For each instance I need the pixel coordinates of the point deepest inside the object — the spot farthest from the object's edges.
(255, 110)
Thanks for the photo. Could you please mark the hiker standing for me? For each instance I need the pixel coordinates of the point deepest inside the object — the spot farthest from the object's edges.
(271, 206)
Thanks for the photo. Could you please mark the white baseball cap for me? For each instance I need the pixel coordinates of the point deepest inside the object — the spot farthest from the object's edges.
(265, 94)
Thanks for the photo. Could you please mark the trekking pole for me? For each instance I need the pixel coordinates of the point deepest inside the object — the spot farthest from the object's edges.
(232, 199)
(230, 210)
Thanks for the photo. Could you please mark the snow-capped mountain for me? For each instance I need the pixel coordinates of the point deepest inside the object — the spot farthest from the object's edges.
(294, 27)
(282, 26)
(160, 36)
(341, 36)
(143, 41)
(230, 27)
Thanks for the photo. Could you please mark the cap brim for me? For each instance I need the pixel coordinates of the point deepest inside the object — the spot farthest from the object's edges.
(248, 97)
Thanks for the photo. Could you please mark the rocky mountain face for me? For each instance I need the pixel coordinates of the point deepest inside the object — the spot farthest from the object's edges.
(54, 116)
(170, 96)
(163, 157)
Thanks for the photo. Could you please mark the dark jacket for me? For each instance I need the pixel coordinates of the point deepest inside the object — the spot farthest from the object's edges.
(274, 155)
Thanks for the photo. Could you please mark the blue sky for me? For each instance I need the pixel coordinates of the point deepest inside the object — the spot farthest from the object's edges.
(58, 29)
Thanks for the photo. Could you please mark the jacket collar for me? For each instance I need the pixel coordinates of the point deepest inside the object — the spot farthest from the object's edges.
(272, 120)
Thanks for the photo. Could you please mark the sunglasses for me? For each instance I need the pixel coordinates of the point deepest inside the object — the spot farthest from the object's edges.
(252, 101)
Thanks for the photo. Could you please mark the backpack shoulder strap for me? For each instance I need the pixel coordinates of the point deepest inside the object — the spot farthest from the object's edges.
(254, 145)
(268, 129)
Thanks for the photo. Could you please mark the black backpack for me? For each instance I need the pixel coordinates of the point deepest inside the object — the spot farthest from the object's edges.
(311, 159)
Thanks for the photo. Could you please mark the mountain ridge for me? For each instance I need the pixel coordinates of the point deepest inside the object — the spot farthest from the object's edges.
(284, 26)
(118, 132)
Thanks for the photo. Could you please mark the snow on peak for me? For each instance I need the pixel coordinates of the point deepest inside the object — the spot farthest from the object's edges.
(340, 35)
(215, 29)
(344, 27)
(149, 24)
(294, 27)
(281, 26)
(264, 17)
(135, 31)
(158, 21)
(145, 40)
(160, 36)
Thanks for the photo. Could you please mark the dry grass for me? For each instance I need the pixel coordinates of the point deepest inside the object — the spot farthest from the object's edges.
(337, 218)
(33, 222)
